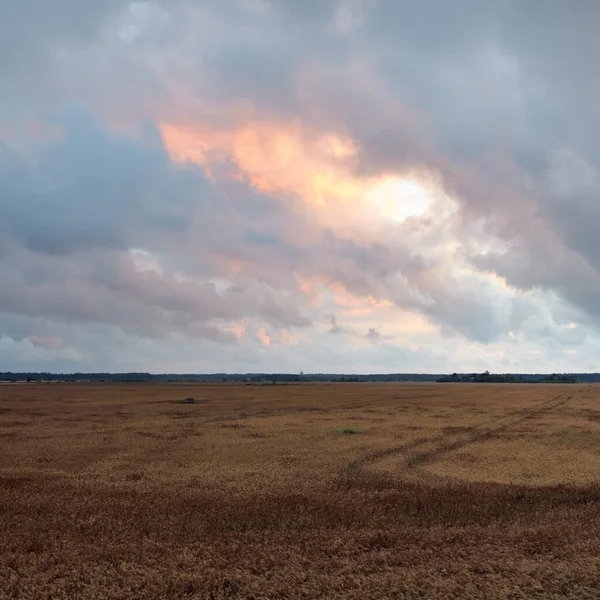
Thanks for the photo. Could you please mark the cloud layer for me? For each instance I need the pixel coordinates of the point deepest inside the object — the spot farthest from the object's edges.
(355, 185)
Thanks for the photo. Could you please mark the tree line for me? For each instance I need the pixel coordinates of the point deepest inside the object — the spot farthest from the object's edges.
(488, 377)
(485, 377)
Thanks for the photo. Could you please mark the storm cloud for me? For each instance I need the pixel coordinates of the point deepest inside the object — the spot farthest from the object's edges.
(198, 186)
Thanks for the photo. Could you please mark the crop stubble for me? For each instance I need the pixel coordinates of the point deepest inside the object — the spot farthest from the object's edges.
(255, 491)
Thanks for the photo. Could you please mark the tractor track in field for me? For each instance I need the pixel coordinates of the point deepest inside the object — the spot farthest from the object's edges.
(419, 452)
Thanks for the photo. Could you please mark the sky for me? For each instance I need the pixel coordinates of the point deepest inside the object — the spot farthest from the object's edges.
(357, 186)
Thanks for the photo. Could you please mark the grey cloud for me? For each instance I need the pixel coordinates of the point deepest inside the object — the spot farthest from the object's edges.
(29, 29)
(336, 329)
(107, 289)
(91, 188)
(498, 99)
(107, 202)
(374, 336)
(87, 198)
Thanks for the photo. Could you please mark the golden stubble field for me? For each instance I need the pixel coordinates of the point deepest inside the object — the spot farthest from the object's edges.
(350, 491)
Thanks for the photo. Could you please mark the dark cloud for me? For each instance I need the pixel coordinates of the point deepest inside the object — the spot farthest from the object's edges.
(91, 188)
(374, 336)
(30, 29)
(336, 329)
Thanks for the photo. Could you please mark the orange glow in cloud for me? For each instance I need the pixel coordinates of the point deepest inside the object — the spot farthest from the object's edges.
(311, 289)
(263, 337)
(285, 158)
(345, 299)
(275, 158)
(348, 300)
(290, 338)
(376, 303)
(321, 290)
(356, 312)
(238, 329)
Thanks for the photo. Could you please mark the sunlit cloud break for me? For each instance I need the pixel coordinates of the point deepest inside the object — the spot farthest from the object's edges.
(271, 186)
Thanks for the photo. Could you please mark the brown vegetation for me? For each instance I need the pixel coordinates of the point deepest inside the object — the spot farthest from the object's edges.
(260, 491)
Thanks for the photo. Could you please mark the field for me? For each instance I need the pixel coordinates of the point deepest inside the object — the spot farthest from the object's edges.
(350, 491)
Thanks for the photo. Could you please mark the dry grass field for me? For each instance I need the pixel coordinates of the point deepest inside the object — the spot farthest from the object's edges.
(350, 491)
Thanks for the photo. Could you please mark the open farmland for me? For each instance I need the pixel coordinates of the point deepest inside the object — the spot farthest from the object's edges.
(299, 491)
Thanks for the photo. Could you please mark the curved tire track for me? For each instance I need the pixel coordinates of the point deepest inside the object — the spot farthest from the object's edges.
(445, 443)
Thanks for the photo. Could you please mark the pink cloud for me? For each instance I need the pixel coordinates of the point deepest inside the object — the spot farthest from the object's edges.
(263, 336)
(47, 342)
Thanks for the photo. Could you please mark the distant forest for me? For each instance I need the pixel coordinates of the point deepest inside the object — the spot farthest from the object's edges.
(486, 377)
